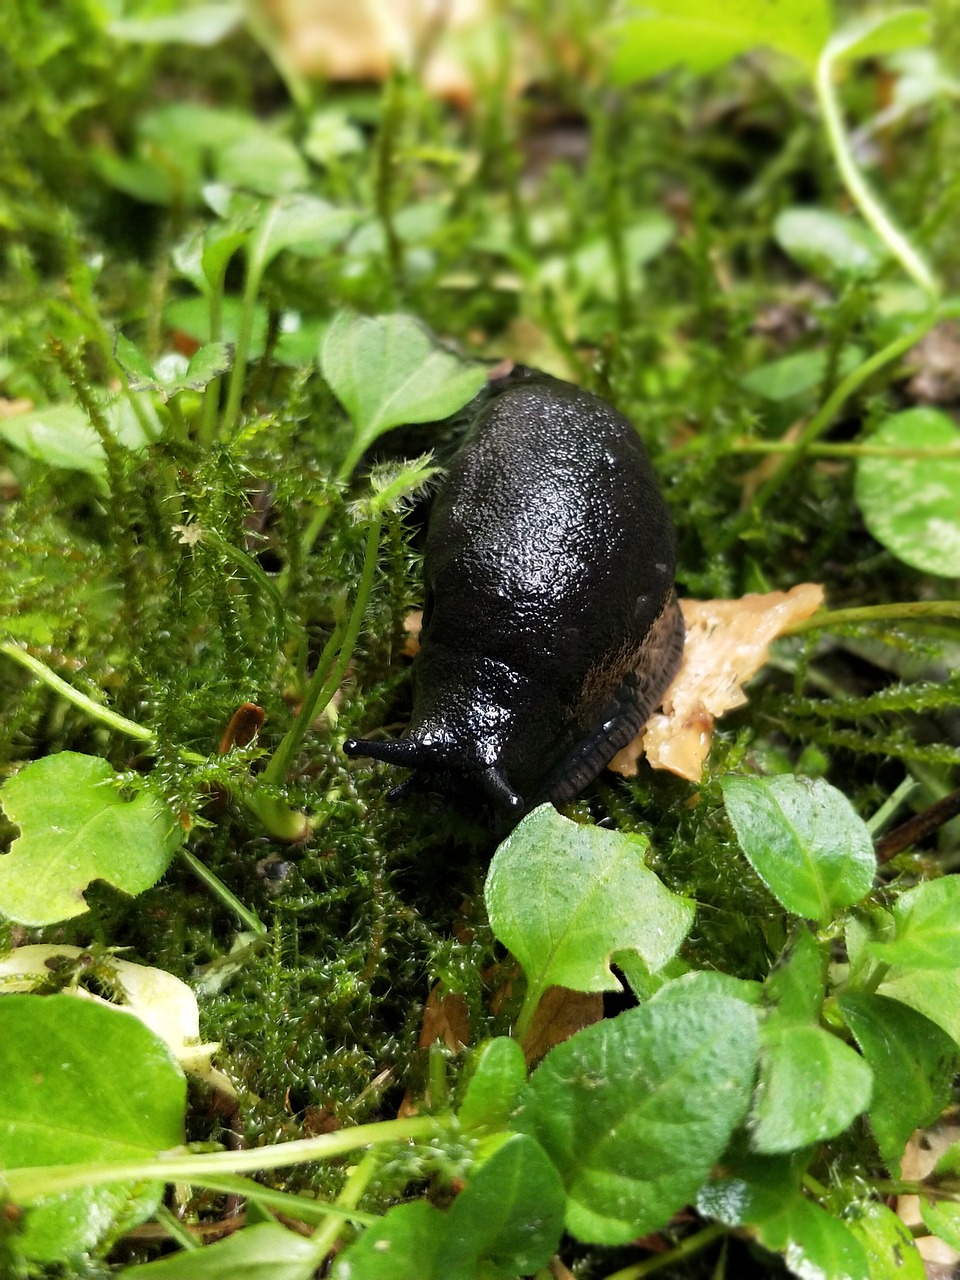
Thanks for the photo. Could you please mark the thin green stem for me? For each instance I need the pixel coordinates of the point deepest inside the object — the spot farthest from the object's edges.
(356, 1184)
(239, 371)
(844, 450)
(866, 201)
(891, 805)
(23, 1186)
(324, 683)
(905, 612)
(686, 1249)
(286, 1202)
(86, 704)
(530, 1001)
(175, 1229)
(220, 890)
(825, 416)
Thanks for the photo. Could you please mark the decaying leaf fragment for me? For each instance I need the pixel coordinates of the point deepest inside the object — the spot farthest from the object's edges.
(161, 1001)
(727, 642)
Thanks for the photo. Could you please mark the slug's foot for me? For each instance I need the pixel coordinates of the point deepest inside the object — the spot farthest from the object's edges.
(635, 700)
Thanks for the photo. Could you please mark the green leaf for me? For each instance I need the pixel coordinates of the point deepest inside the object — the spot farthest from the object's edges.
(209, 362)
(262, 163)
(65, 1102)
(942, 1217)
(492, 1092)
(796, 982)
(933, 992)
(387, 371)
(877, 34)
(76, 827)
(192, 317)
(812, 1086)
(201, 25)
(404, 1246)
(804, 840)
(633, 1111)
(912, 505)
(927, 920)
(59, 435)
(783, 379)
(266, 1251)
(814, 1244)
(819, 239)
(886, 1240)
(509, 1219)
(913, 1062)
(564, 897)
(305, 223)
(660, 34)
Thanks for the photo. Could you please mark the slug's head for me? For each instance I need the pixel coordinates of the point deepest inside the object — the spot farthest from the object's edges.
(442, 765)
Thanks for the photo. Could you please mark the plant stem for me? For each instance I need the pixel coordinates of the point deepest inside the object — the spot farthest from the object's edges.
(905, 612)
(845, 450)
(86, 704)
(220, 890)
(693, 1244)
(824, 417)
(356, 1184)
(324, 684)
(891, 805)
(865, 199)
(28, 1184)
(302, 1207)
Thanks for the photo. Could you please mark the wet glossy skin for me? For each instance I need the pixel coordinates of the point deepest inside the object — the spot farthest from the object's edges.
(550, 626)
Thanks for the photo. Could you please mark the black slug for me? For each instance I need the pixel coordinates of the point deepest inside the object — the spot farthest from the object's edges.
(550, 625)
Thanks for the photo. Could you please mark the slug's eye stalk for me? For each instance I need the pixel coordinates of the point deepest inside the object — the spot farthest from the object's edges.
(498, 789)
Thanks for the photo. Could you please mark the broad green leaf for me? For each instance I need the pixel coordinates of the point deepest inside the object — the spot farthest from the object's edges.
(933, 992)
(202, 25)
(592, 269)
(942, 1217)
(263, 163)
(927, 927)
(815, 1245)
(76, 827)
(59, 435)
(913, 1062)
(161, 1001)
(796, 982)
(509, 1219)
(305, 223)
(192, 317)
(818, 239)
(404, 1246)
(912, 505)
(804, 840)
(64, 1101)
(491, 1095)
(564, 897)
(707, 984)
(387, 371)
(660, 34)
(811, 1087)
(265, 1251)
(886, 1240)
(782, 379)
(877, 34)
(633, 1111)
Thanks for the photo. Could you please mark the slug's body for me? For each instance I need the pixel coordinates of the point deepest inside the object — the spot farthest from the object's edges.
(550, 626)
